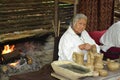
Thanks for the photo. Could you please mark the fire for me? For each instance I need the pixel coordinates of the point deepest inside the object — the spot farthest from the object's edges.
(8, 49)
(14, 64)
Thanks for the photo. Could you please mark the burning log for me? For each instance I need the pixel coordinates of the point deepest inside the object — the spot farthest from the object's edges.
(10, 57)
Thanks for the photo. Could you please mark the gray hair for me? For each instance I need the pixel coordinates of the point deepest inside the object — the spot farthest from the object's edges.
(77, 17)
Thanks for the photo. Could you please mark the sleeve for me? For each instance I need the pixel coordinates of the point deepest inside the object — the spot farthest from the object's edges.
(66, 49)
(89, 40)
(111, 38)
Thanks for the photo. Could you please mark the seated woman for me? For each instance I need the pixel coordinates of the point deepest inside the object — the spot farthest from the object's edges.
(76, 39)
(111, 41)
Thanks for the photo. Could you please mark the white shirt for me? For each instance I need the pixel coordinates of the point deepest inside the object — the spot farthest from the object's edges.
(70, 41)
(111, 38)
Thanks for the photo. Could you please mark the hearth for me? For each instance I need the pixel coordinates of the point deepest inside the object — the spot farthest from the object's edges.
(28, 55)
(11, 55)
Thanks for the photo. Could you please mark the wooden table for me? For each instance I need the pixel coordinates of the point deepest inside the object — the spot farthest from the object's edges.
(45, 74)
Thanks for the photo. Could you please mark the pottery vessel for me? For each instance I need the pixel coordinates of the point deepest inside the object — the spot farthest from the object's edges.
(78, 58)
(112, 65)
(103, 73)
(98, 64)
(70, 70)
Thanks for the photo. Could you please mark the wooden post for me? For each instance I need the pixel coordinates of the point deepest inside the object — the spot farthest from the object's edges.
(75, 7)
(56, 30)
(56, 26)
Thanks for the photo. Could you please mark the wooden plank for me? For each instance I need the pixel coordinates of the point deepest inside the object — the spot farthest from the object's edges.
(23, 19)
(26, 11)
(22, 28)
(68, 1)
(23, 34)
(12, 18)
(23, 5)
(27, 24)
(24, 1)
(18, 9)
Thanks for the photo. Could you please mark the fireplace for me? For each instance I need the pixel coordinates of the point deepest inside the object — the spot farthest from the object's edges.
(27, 55)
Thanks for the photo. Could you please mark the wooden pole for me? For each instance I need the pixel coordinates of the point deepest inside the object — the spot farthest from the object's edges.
(75, 7)
(56, 38)
(56, 26)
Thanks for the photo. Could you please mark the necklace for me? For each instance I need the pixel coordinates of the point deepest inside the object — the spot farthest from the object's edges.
(82, 39)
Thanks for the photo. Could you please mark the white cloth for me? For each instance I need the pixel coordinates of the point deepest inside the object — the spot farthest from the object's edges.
(111, 38)
(70, 41)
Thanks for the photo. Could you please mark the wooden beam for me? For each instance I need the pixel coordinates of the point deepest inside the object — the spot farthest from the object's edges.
(67, 1)
(22, 34)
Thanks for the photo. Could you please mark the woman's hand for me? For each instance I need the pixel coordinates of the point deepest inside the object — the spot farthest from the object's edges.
(85, 46)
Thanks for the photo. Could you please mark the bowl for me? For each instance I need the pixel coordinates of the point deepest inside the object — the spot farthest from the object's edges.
(70, 69)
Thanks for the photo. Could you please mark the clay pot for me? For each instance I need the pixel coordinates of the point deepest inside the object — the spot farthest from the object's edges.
(95, 73)
(78, 58)
(112, 65)
(103, 73)
(98, 64)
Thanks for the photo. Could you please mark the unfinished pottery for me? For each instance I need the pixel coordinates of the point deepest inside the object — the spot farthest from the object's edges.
(98, 62)
(112, 65)
(70, 70)
(78, 58)
(103, 73)
(90, 60)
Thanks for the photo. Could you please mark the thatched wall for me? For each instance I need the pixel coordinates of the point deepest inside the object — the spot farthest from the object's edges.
(19, 15)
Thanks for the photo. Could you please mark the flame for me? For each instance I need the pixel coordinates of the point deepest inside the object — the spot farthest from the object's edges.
(8, 49)
(14, 64)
